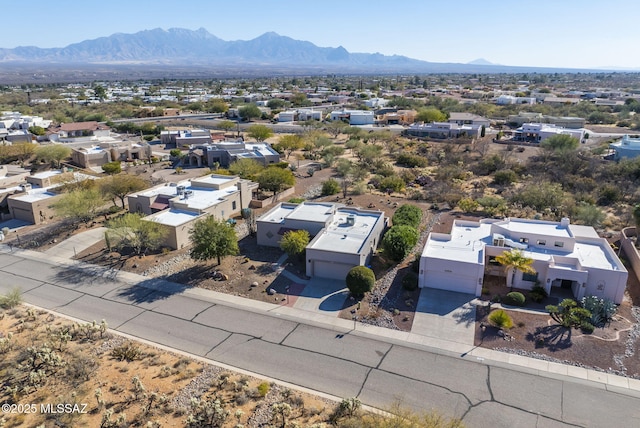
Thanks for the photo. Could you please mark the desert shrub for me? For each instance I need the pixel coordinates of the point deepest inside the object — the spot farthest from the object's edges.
(126, 352)
(296, 200)
(468, 205)
(330, 187)
(263, 389)
(514, 298)
(398, 241)
(408, 215)
(538, 293)
(410, 281)
(602, 310)
(11, 299)
(500, 319)
(411, 161)
(392, 183)
(505, 177)
(360, 280)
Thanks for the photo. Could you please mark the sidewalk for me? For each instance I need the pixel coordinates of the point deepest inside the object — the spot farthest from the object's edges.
(330, 321)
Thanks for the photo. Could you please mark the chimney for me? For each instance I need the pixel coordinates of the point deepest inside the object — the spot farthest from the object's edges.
(564, 222)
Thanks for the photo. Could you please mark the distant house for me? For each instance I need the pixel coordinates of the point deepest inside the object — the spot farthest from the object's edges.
(98, 155)
(184, 138)
(627, 147)
(537, 132)
(353, 117)
(565, 256)
(468, 119)
(442, 130)
(343, 237)
(223, 153)
(78, 132)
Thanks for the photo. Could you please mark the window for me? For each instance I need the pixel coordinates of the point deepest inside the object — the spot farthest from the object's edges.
(541, 242)
(493, 261)
(531, 277)
(558, 244)
(524, 240)
(233, 205)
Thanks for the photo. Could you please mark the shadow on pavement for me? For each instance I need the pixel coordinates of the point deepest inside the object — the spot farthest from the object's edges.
(335, 302)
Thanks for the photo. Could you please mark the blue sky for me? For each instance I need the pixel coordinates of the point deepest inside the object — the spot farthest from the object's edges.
(554, 33)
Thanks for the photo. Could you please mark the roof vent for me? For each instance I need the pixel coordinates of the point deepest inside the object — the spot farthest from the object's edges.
(564, 222)
(351, 219)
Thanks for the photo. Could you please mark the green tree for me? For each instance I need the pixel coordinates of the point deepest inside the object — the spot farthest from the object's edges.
(246, 168)
(99, 92)
(37, 130)
(429, 115)
(560, 143)
(294, 242)
(275, 179)
(24, 151)
(227, 125)
(505, 177)
(335, 128)
(468, 205)
(290, 143)
(568, 314)
(133, 231)
(398, 241)
(276, 103)
(53, 153)
(259, 132)
(407, 215)
(513, 261)
(636, 216)
(79, 205)
(249, 112)
(213, 238)
(330, 187)
(360, 280)
(217, 105)
(119, 186)
(112, 168)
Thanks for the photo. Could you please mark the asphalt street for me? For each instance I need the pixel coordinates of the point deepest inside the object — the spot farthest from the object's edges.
(320, 356)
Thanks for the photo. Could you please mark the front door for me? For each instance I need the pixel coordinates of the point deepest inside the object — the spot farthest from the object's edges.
(566, 284)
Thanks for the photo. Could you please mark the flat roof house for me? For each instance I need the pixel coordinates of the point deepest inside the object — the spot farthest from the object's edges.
(224, 153)
(177, 205)
(343, 237)
(628, 147)
(33, 203)
(565, 256)
(537, 132)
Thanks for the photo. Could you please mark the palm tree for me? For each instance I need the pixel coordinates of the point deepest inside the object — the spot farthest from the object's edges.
(514, 260)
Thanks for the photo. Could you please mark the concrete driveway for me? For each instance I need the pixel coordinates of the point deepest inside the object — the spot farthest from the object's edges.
(445, 315)
(77, 243)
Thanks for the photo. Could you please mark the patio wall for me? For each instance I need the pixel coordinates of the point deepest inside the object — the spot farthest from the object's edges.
(630, 250)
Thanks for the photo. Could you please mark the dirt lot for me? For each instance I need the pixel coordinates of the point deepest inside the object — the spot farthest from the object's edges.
(87, 370)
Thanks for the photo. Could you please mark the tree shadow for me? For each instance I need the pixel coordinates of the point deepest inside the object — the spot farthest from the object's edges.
(465, 314)
(86, 274)
(553, 337)
(150, 290)
(249, 248)
(191, 275)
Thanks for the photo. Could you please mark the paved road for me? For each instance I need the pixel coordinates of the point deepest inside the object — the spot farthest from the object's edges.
(300, 348)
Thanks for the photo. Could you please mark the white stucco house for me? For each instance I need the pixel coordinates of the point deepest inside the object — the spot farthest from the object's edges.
(565, 256)
(353, 117)
(537, 132)
(628, 147)
(342, 237)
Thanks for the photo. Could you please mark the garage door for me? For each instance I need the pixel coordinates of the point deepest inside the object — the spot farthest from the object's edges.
(333, 270)
(451, 281)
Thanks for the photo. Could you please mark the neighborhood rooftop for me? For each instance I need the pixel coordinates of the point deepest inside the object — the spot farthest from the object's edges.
(348, 231)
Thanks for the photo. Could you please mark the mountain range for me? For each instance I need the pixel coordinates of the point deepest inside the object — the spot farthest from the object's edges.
(178, 47)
